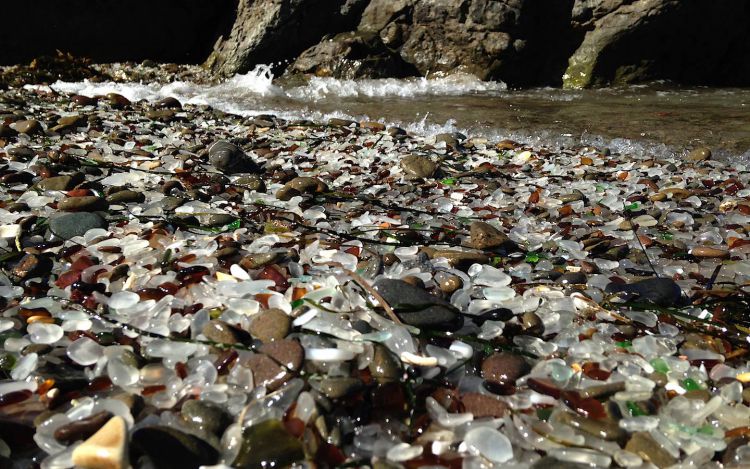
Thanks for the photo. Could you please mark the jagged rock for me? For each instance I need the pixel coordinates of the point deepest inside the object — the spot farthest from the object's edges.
(269, 31)
(230, 159)
(352, 55)
(628, 41)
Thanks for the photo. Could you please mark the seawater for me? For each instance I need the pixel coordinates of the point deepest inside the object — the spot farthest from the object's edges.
(657, 118)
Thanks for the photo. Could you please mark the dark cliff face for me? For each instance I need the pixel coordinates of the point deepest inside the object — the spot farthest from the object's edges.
(179, 31)
(573, 43)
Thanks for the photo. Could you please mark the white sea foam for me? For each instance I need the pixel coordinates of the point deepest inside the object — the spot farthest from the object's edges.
(388, 100)
(452, 85)
(258, 83)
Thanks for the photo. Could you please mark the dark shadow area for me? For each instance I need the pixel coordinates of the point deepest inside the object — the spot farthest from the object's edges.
(694, 43)
(180, 31)
(544, 42)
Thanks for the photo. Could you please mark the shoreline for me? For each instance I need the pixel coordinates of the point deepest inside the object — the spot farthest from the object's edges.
(500, 271)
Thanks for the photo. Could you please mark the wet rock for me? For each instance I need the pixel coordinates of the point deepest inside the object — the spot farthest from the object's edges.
(81, 100)
(301, 186)
(495, 314)
(372, 125)
(550, 462)
(384, 366)
(449, 284)
(482, 405)
(105, 449)
(258, 260)
(117, 101)
(572, 278)
(220, 331)
(503, 367)
(461, 260)
(170, 203)
(351, 55)
(416, 166)
(169, 448)
(416, 307)
(69, 225)
(270, 325)
(22, 153)
(572, 197)
(642, 444)
(660, 291)
(126, 197)
(32, 265)
(28, 127)
(267, 365)
(699, 154)
(168, 103)
(452, 140)
(68, 123)
(81, 429)
(486, 236)
(17, 207)
(86, 203)
(205, 416)
(60, 183)
(214, 220)
(251, 182)
(335, 388)
(336, 122)
(604, 429)
(164, 115)
(230, 159)
(268, 444)
(708, 252)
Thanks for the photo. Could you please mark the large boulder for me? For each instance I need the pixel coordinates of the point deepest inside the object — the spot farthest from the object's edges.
(276, 31)
(697, 41)
(352, 55)
(523, 42)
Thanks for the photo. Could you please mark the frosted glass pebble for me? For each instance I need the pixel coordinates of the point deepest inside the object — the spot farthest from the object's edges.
(123, 300)
(404, 452)
(247, 287)
(646, 318)
(641, 423)
(76, 325)
(491, 329)
(15, 344)
(9, 291)
(10, 231)
(13, 386)
(499, 293)
(463, 349)
(24, 366)
(121, 373)
(489, 443)
(645, 221)
(42, 333)
(6, 324)
(61, 460)
(627, 459)
(305, 406)
(85, 351)
(239, 272)
(490, 276)
(170, 349)
(406, 252)
(650, 346)
(582, 455)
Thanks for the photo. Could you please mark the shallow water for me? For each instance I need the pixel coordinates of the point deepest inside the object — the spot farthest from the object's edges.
(657, 118)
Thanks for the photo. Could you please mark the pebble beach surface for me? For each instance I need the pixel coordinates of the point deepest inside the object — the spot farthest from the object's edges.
(184, 288)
